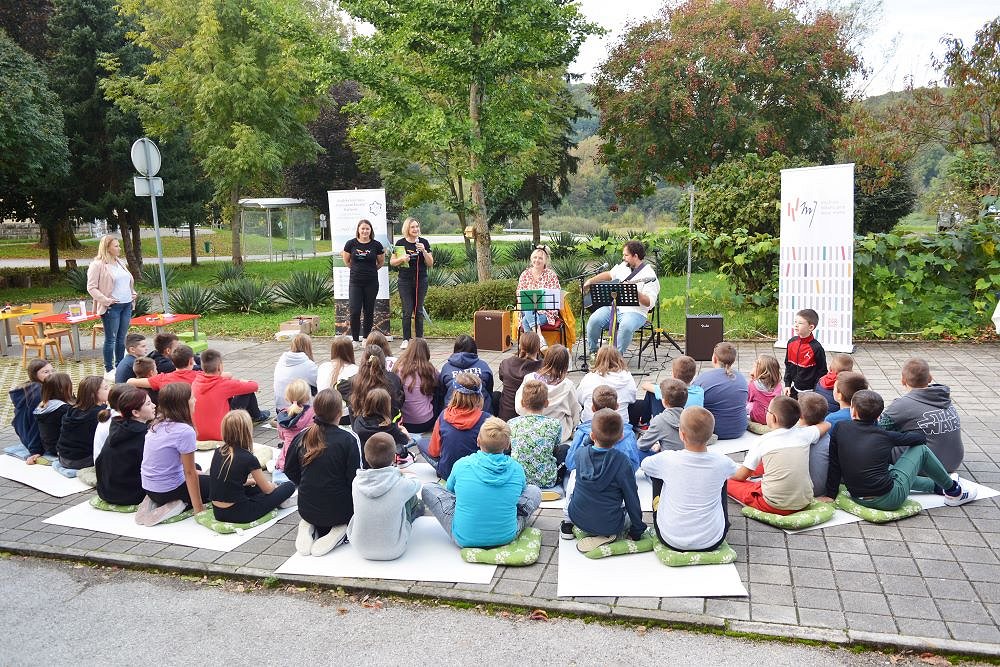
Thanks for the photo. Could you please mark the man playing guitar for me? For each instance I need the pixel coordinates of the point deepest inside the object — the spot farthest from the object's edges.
(629, 318)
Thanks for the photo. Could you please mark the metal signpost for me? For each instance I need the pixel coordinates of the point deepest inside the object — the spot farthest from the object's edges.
(146, 160)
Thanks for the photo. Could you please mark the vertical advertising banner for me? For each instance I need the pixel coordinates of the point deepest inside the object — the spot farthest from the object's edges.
(816, 266)
(347, 208)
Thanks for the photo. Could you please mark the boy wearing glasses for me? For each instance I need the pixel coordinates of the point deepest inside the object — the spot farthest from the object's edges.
(785, 486)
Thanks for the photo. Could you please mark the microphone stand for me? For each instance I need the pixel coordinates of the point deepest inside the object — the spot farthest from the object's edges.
(582, 278)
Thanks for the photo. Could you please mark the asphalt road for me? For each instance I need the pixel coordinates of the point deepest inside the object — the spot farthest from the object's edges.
(60, 613)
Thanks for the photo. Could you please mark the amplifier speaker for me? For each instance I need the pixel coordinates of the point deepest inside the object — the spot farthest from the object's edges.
(702, 334)
(491, 329)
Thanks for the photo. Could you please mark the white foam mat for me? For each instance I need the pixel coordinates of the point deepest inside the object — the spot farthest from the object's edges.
(645, 488)
(187, 532)
(641, 575)
(740, 444)
(429, 556)
(928, 501)
(43, 478)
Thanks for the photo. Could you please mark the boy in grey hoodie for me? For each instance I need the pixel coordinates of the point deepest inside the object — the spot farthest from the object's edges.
(385, 503)
(663, 433)
(926, 408)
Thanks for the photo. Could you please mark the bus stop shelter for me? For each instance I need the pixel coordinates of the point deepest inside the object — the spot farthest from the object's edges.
(278, 227)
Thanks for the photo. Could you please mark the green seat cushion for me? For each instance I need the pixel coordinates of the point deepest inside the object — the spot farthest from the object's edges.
(186, 514)
(99, 504)
(848, 504)
(88, 476)
(207, 519)
(523, 551)
(813, 515)
(671, 558)
(619, 547)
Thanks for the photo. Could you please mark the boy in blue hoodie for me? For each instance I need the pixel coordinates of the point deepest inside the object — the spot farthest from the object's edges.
(465, 359)
(603, 397)
(485, 502)
(604, 482)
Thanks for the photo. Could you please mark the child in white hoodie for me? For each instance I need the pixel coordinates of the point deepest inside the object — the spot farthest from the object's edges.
(385, 503)
(295, 364)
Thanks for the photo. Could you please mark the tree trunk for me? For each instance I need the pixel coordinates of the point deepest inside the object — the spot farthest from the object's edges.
(194, 242)
(482, 228)
(234, 215)
(536, 212)
(462, 217)
(51, 241)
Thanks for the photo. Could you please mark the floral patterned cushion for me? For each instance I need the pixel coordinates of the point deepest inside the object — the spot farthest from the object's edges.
(671, 558)
(813, 515)
(846, 503)
(207, 519)
(523, 551)
(620, 546)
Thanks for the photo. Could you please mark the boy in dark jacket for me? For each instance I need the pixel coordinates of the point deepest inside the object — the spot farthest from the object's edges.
(860, 455)
(805, 358)
(604, 480)
(927, 409)
(466, 360)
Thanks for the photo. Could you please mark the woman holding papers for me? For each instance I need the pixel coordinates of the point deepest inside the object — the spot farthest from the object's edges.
(539, 276)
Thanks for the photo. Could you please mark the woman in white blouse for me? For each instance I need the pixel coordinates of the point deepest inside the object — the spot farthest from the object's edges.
(113, 289)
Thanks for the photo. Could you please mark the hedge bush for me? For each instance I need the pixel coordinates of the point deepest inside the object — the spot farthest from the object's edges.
(453, 303)
(13, 277)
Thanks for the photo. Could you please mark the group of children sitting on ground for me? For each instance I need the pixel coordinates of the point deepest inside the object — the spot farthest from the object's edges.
(343, 445)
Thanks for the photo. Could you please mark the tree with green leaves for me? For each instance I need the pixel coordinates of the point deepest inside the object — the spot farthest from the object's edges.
(32, 141)
(452, 87)
(706, 81)
(242, 77)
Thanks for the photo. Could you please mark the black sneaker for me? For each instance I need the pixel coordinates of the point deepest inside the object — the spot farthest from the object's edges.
(566, 530)
(262, 417)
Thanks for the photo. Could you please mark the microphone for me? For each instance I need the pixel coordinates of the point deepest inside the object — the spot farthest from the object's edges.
(602, 267)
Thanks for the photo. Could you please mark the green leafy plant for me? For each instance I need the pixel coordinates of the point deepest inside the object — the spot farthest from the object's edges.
(229, 272)
(308, 289)
(520, 251)
(193, 298)
(445, 257)
(77, 279)
(143, 306)
(450, 303)
(467, 275)
(245, 295)
(569, 267)
(561, 244)
(439, 276)
(150, 278)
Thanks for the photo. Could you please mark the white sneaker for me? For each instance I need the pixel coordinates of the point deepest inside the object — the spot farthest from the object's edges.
(405, 344)
(305, 538)
(966, 495)
(110, 375)
(324, 545)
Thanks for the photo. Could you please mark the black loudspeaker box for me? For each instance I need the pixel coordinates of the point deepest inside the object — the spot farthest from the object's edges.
(702, 334)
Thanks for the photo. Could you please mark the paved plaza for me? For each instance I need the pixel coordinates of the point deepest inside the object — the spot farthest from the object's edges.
(929, 582)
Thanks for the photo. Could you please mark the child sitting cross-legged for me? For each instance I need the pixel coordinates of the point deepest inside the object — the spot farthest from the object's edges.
(535, 438)
(765, 384)
(26, 398)
(457, 427)
(691, 515)
(386, 503)
(240, 492)
(813, 407)
(844, 388)
(486, 501)
(373, 414)
(605, 482)
(861, 455)
(785, 487)
(824, 387)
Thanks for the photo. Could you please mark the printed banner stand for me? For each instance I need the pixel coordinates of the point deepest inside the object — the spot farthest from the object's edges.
(347, 208)
(817, 253)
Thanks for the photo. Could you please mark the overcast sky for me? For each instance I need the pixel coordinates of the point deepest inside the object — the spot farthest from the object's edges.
(908, 32)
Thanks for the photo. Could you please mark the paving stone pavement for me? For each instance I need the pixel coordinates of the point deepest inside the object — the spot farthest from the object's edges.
(929, 582)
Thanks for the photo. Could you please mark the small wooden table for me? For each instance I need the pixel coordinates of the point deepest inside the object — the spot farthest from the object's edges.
(163, 321)
(5, 341)
(74, 324)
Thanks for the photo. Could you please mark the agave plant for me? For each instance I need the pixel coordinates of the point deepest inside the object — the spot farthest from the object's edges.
(143, 306)
(439, 277)
(562, 244)
(229, 272)
(193, 298)
(507, 272)
(77, 279)
(245, 295)
(445, 257)
(466, 275)
(520, 251)
(308, 289)
(570, 267)
(150, 277)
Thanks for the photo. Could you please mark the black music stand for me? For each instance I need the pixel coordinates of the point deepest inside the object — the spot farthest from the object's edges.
(535, 300)
(616, 294)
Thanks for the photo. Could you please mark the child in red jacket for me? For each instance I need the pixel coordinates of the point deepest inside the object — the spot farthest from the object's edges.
(216, 393)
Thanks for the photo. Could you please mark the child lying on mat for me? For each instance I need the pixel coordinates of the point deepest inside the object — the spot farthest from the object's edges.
(486, 501)
(604, 482)
(691, 485)
(385, 503)
(785, 487)
(860, 456)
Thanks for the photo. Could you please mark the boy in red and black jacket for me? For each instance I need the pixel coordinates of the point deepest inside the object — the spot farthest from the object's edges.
(805, 358)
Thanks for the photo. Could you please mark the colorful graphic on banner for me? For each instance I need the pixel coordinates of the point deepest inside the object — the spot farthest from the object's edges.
(347, 207)
(817, 253)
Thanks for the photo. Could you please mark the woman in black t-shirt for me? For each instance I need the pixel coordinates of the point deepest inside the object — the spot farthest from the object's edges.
(412, 257)
(364, 256)
(234, 498)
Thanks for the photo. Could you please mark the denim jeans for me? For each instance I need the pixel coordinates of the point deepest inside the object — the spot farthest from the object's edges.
(532, 318)
(441, 502)
(116, 320)
(628, 324)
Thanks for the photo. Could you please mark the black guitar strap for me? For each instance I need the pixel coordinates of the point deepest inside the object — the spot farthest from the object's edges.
(635, 273)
